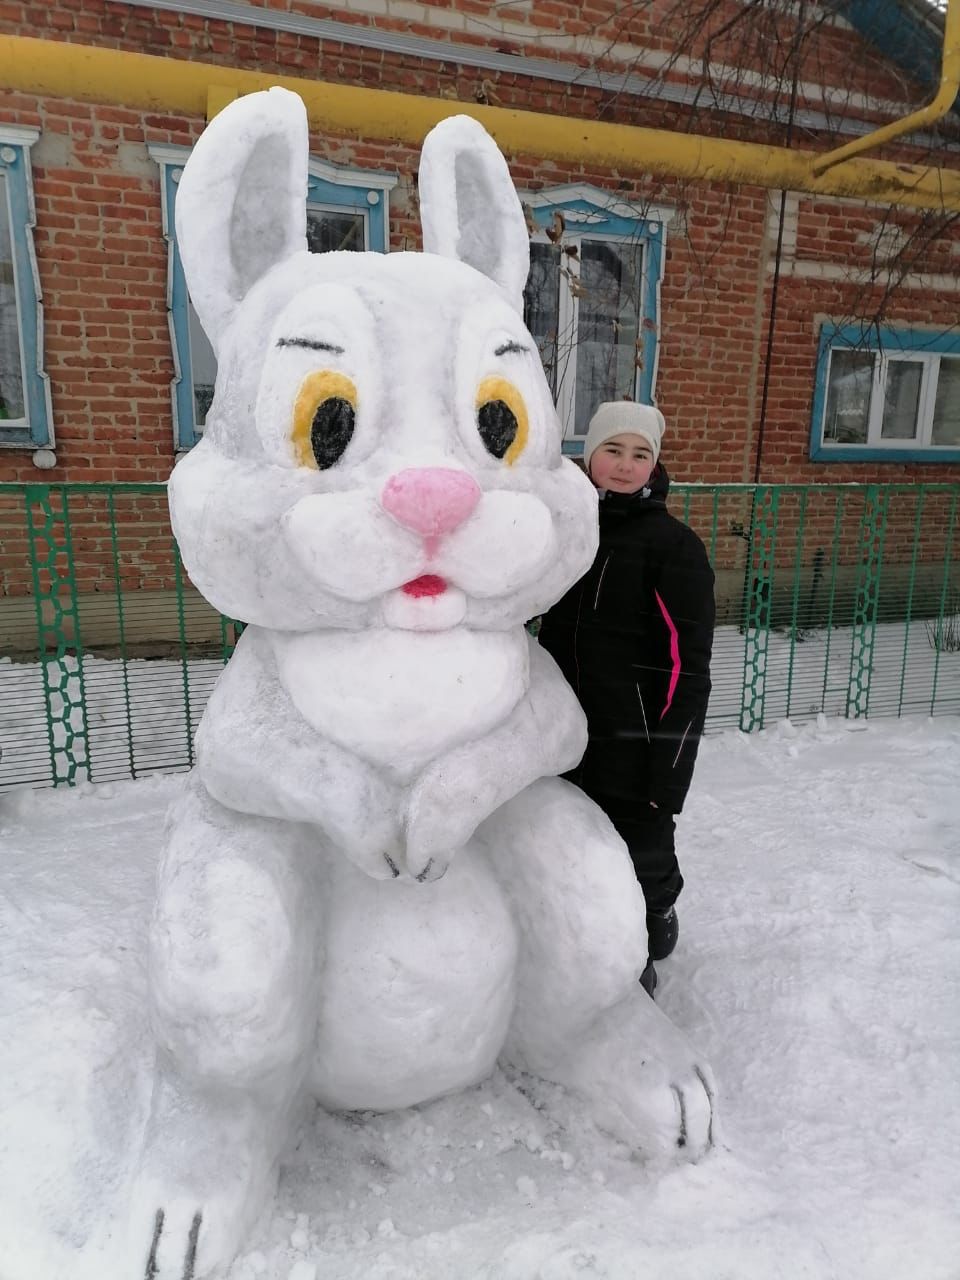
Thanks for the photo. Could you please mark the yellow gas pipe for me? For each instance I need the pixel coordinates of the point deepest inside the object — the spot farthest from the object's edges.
(94, 74)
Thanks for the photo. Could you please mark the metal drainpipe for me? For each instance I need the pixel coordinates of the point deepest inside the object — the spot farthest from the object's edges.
(771, 328)
(778, 255)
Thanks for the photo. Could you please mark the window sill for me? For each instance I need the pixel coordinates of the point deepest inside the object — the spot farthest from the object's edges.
(859, 453)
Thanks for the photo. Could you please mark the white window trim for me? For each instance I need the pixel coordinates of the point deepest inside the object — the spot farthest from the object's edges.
(926, 345)
(606, 204)
(924, 420)
(568, 321)
(926, 402)
(580, 225)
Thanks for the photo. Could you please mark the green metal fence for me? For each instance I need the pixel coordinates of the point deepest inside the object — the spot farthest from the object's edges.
(832, 600)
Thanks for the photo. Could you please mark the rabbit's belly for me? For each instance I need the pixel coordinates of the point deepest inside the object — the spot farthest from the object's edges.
(417, 988)
(397, 698)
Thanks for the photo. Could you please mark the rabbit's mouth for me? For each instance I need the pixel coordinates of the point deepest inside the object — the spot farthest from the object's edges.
(428, 584)
(426, 603)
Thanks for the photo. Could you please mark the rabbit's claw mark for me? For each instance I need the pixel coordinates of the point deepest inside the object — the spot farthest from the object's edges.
(151, 1268)
(711, 1100)
(190, 1258)
(191, 1255)
(682, 1138)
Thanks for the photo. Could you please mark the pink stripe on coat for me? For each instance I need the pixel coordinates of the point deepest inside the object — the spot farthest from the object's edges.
(674, 654)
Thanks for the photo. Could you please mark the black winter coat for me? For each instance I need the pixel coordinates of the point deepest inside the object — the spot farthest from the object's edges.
(633, 638)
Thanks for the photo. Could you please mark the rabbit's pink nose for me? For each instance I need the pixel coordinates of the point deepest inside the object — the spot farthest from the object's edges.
(430, 500)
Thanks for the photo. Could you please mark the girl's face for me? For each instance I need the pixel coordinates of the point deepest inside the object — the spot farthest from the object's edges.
(623, 463)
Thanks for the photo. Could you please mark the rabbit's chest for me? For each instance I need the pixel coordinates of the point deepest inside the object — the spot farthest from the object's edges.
(399, 699)
(417, 987)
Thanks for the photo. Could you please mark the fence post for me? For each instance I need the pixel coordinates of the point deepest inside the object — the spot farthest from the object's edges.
(58, 628)
(231, 629)
(758, 588)
(873, 527)
(942, 609)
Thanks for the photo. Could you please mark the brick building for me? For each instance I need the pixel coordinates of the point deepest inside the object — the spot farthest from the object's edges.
(644, 282)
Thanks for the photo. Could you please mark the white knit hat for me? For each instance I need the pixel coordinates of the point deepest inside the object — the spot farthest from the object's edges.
(615, 417)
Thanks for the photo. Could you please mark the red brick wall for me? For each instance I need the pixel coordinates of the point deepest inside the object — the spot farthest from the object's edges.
(584, 31)
(102, 261)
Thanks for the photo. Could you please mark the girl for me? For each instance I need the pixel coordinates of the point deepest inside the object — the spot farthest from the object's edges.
(634, 637)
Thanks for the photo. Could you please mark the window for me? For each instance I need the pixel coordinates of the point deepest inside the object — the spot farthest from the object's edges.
(346, 209)
(886, 395)
(592, 300)
(26, 418)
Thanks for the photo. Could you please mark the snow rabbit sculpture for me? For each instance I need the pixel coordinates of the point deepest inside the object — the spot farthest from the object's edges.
(372, 886)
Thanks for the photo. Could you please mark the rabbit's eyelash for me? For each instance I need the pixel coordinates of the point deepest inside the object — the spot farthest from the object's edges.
(312, 344)
(511, 348)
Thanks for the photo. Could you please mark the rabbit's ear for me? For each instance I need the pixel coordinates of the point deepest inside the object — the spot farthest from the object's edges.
(241, 202)
(469, 206)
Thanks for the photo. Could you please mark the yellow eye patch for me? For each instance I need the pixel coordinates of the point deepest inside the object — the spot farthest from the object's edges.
(324, 415)
(502, 419)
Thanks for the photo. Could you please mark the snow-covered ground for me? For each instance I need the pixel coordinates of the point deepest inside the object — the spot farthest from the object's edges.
(818, 967)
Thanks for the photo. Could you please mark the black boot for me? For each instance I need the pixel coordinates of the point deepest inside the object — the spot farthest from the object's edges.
(663, 929)
(648, 979)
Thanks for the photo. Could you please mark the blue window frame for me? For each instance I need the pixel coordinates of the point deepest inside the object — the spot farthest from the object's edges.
(346, 209)
(26, 417)
(593, 298)
(886, 395)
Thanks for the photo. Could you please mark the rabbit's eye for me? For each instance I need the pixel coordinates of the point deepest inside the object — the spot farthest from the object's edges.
(323, 418)
(502, 419)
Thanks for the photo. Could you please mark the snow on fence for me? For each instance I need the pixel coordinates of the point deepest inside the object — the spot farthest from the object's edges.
(834, 599)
